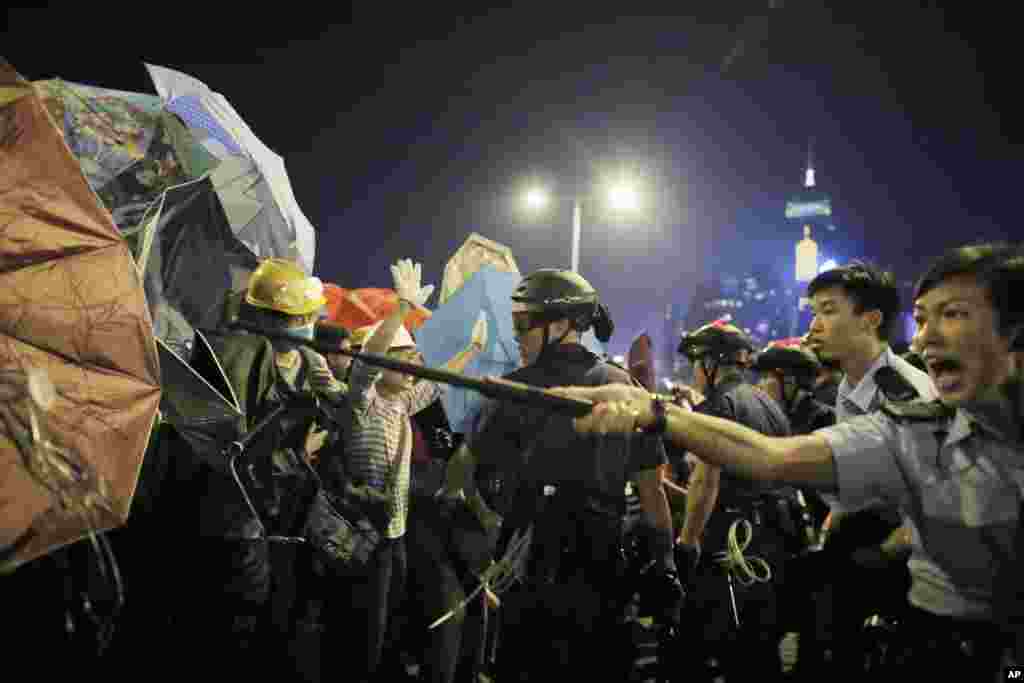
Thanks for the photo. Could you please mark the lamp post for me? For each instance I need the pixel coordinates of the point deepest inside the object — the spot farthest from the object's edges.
(621, 197)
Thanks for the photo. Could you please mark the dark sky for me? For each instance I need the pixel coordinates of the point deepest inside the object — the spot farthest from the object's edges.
(404, 131)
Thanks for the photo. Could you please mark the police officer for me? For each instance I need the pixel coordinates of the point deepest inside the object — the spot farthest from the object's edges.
(571, 490)
(718, 607)
(787, 373)
(953, 466)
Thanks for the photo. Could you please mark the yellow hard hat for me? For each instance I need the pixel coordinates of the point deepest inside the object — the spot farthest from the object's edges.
(281, 285)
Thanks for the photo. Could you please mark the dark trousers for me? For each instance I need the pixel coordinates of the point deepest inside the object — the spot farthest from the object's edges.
(357, 611)
(434, 588)
(750, 651)
(565, 623)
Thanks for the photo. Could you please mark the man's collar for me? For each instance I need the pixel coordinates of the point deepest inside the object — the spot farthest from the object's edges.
(863, 395)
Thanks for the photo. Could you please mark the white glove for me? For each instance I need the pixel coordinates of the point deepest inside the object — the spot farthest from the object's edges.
(479, 336)
(406, 277)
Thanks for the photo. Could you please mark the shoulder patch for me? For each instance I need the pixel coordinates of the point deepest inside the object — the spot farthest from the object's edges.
(895, 387)
(916, 411)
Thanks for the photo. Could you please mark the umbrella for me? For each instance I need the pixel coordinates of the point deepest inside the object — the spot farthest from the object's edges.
(254, 186)
(448, 332)
(475, 252)
(191, 261)
(355, 308)
(202, 407)
(640, 361)
(128, 146)
(71, 307)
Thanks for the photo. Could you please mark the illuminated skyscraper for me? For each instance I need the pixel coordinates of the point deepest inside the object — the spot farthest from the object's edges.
(809, 217)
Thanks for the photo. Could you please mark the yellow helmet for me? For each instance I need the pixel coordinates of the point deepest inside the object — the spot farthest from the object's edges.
(281, 285)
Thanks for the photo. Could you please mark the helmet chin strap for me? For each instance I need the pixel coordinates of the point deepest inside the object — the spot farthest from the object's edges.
(547, 343)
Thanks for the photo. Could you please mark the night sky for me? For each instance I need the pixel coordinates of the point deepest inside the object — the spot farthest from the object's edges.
(403, 131)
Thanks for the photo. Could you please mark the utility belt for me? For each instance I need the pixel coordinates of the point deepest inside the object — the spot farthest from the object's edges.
(576, 530)
(777, 513)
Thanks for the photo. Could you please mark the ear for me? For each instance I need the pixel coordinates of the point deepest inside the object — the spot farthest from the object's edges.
(872, 319)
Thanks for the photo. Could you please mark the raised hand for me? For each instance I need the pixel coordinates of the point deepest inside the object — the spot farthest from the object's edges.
(406, 276)
(478, 339)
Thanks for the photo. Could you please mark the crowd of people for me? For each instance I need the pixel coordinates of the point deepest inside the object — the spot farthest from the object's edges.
(818, 507)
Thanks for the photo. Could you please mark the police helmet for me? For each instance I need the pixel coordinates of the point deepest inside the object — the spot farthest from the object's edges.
(791, 359)
(720, 339)
(561, 294)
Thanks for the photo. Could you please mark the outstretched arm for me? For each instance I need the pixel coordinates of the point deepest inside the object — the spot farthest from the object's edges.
(804, 460)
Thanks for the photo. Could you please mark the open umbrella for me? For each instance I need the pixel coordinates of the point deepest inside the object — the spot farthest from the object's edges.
(71, 307)
(449, 329)
(476, 252)
(191, 260)
(640, 361)
(251, 181)
(129, 147)
(355, 308)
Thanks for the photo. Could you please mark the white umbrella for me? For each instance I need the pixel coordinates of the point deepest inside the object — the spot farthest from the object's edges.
(251, 180)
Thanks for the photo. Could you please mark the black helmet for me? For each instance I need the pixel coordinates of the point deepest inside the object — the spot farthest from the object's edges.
(719, 339)
(790, 358)
(557, 294)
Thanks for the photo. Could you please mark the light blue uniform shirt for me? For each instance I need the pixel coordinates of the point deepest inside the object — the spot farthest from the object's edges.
(957, 484)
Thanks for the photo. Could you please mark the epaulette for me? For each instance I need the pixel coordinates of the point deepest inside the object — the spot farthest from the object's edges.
(894, 386)
(916, 411)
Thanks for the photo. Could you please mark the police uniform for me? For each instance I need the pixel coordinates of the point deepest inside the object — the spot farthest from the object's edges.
(566, 613)
(958, 485)
(709, 609)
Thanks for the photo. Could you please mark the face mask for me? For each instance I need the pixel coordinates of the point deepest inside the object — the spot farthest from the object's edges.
(305, 332)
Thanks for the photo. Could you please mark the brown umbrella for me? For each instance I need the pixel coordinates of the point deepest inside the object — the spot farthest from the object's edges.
(79, 373)
(641, 361)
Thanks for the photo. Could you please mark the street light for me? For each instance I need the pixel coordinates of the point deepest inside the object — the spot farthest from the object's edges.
(536, 198)
(622, 196)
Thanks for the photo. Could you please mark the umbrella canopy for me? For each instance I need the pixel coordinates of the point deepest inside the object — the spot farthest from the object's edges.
(641, 361)
(355, 308)
(254, 185)
(72, 307)
(202, 407)
(191, 260)
(474, 253)
(449, 329)
(129, 147)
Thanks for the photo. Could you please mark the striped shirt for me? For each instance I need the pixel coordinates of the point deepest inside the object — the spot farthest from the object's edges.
(379, 443)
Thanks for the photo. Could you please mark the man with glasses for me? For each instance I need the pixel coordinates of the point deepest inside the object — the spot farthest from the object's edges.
(571, 491)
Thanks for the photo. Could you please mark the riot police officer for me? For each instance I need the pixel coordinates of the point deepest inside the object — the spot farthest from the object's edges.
(720, 352)
(570, 490)
(788, 372)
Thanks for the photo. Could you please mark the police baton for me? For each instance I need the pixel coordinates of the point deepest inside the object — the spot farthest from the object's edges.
(327, 339)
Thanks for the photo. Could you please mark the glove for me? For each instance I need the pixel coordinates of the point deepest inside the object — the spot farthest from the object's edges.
(406, 277)
(667, 597)
(478, 338)
(687, 560)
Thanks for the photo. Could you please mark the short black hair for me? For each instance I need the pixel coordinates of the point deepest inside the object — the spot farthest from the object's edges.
(999, 267)
(868, 287)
